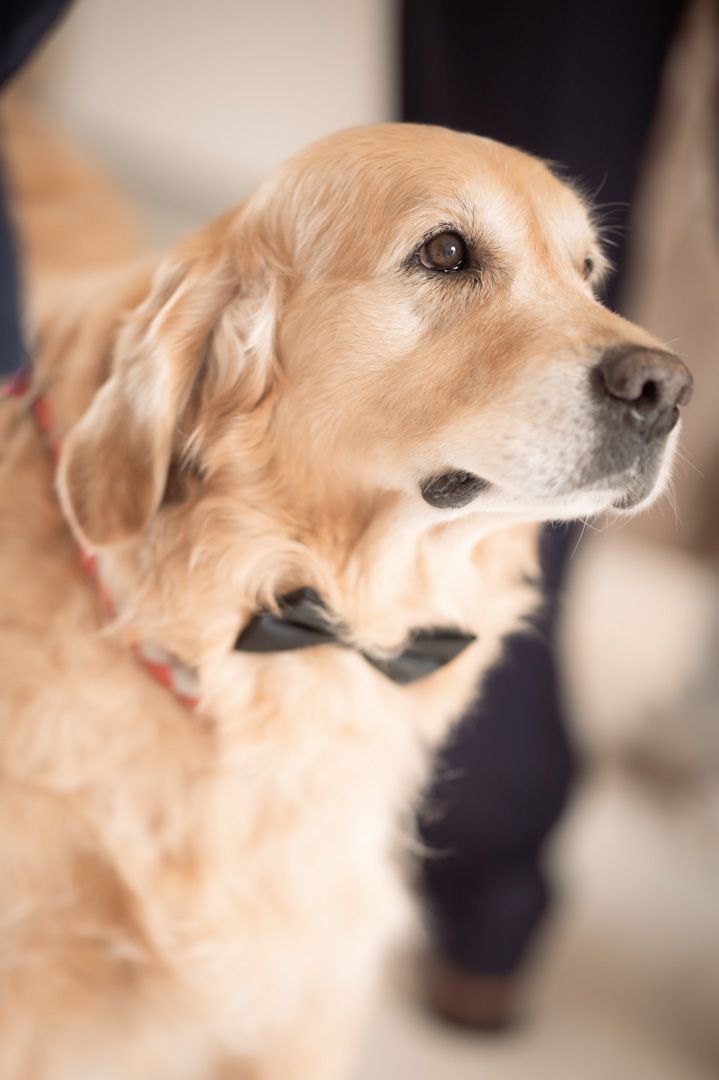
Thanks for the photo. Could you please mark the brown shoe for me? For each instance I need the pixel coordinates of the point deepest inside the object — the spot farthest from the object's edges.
(484, 1003)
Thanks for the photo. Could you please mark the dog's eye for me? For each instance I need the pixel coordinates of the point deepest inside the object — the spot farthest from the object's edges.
(588, 267)
(446, 251)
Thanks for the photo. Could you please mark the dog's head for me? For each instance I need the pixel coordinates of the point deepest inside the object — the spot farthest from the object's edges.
(408, 310)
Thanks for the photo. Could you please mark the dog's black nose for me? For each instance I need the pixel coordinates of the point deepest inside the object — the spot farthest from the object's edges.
(648, 385)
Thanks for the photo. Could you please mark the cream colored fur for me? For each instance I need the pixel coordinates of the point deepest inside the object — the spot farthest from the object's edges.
(207, 895)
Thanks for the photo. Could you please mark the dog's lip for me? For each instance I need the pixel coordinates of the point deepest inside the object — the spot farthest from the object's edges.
(452, 488)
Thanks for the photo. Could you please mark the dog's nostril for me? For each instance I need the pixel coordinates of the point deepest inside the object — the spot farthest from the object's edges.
(650, 393)
(648, 401)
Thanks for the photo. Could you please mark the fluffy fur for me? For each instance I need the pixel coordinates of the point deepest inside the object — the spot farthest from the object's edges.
(194, 895)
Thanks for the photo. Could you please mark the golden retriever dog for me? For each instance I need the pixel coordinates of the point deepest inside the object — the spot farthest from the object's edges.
(371, 380)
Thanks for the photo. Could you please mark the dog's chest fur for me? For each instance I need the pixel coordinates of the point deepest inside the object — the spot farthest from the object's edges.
(224, 866)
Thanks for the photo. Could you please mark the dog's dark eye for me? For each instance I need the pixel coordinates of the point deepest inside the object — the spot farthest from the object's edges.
(446, 251)
(588, 267)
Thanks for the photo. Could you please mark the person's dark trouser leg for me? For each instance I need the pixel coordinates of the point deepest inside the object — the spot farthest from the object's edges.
(23, 25)
(11, 353)
(575, 83)
(502, 783)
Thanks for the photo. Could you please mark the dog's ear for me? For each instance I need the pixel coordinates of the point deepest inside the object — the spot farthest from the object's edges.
(211, 309)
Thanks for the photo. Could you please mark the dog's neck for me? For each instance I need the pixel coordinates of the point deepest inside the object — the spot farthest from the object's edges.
(395, 579)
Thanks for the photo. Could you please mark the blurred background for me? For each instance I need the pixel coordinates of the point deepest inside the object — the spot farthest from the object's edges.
(188, 105)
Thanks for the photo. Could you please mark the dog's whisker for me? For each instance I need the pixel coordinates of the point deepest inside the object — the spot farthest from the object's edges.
(687, 461)
(579, 538)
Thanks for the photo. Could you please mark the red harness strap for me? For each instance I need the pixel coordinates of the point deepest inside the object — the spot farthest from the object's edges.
(162, 667)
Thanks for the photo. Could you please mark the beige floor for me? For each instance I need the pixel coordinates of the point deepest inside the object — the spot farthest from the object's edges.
(628, 984)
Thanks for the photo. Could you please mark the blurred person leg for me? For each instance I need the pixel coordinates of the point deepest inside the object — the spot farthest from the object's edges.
(578, 84)
(23, 24)
(11, 351)
(500, 787)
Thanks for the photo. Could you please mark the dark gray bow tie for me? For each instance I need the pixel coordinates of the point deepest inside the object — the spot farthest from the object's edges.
(303, 622)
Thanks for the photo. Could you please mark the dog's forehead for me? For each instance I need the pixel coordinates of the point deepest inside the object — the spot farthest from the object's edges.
(415, 177)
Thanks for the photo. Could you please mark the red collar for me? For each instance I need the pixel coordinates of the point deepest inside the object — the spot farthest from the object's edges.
(166, 669)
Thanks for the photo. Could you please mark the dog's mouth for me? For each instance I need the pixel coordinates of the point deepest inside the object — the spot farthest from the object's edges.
(452, 489)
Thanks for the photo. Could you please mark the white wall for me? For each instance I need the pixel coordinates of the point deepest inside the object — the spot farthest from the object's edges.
(197, 99)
